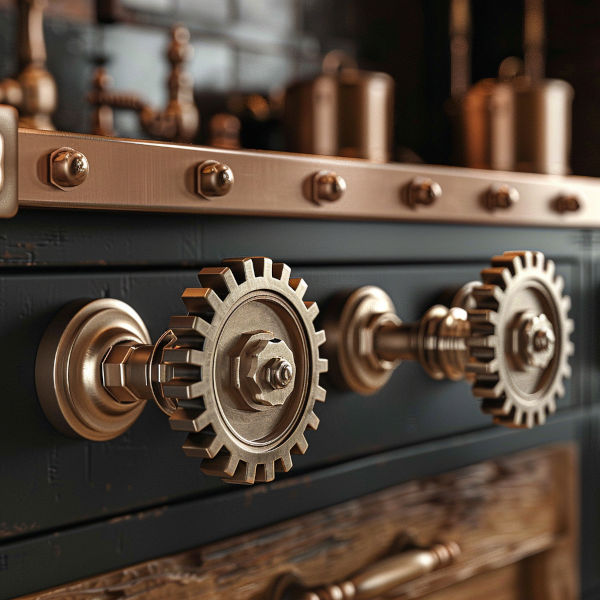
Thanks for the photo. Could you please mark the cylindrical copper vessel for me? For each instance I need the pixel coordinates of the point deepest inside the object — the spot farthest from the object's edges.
(542, 126)
(341, 112)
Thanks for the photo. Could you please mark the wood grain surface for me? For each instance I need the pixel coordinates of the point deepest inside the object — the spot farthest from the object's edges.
(515, 519)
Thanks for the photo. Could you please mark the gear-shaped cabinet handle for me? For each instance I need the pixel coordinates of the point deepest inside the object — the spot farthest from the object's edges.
(239, 373)
(509, 335)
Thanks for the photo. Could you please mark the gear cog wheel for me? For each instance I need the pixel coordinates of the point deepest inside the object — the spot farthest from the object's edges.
(519, 340)
(247, 311)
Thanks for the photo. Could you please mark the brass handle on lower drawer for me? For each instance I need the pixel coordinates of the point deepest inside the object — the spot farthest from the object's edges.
(377, 579)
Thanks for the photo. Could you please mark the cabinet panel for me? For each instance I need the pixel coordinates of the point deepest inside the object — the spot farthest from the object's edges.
(53, 480)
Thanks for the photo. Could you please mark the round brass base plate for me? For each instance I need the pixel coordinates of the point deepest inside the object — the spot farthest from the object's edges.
(350, 322)
(68, 369)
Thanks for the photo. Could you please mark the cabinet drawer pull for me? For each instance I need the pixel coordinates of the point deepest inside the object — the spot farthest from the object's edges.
(377, 579)
(509, 335)
(239, 373)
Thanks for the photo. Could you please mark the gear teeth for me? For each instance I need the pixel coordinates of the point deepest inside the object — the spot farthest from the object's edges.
(569, 326)
(222, 464)
(496, 276)
(508, 261)
(301, 445)
(322, 365)
(190, 325)
(489, 389)
(220, 279)
(245, 474)
(551, 269)
(284, 463)
(242, 268)
(263, 266)
(320, 394)
(566, 305)
(186, 357)
(265, 472)
(201, 301)
(559, 282)
(487, 296)
(192, 421)
(299, 286)
(181, 389)
(320, 338)
(202, 445)
(541, 416)
(312, 309)
(282, 272)
(312, 421)
(496, 406)
(483, 368)
(529, 420)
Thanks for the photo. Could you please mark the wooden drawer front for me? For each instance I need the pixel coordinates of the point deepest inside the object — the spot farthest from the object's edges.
(513, 518)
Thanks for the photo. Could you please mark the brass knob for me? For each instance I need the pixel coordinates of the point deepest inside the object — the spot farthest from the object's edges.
(508, 335)
(239, 373)
(68, 168)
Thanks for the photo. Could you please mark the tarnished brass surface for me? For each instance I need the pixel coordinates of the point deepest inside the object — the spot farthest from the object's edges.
(509, 335)
(33, 90)
(240, 372)
(178, 121)
(161, 177)
(375, 580)
(8, 162)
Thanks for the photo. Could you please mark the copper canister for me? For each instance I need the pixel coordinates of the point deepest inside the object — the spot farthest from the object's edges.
(311, 116)
(365, 114)
(486, 126)
(343, 112)
(542, 126)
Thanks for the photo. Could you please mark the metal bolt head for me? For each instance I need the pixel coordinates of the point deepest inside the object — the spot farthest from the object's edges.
(534, 341)
(68, 168)
(213, 179)
(279, 373)
(327, 186)
(263, 370)
(567, 203)
(422, 190)
(501, 197)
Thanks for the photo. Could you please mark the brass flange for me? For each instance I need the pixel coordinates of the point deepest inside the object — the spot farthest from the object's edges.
(69, 365)
(508, 335)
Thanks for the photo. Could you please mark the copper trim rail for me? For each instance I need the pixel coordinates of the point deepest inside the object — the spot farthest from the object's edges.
(161, 177)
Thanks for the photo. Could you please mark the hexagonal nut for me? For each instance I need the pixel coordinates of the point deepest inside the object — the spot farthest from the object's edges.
(114, 373)
(252, 370)
(535, 340)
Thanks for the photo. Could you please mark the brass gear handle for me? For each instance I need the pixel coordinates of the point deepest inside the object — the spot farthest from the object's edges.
(508, 335)
(239, 372)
